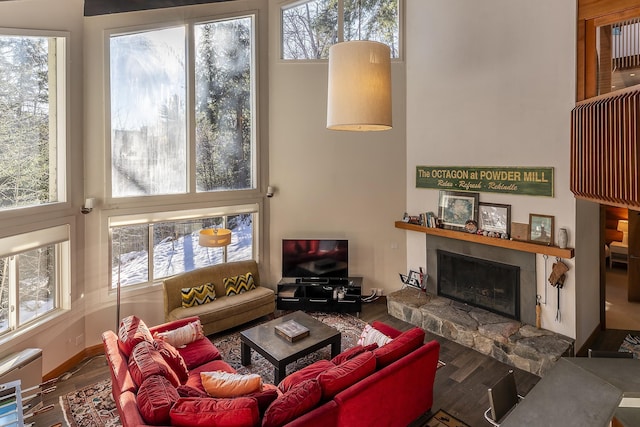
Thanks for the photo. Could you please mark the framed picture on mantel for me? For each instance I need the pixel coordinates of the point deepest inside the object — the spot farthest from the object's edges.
(541, 229)
(455, 208)
(495, 217)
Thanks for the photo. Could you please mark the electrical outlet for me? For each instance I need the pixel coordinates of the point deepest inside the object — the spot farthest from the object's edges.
(79, 339)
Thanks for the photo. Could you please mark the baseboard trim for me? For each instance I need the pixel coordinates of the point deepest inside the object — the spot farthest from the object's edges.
(74, 361)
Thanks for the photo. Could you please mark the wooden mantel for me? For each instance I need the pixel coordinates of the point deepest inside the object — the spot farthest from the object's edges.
(515, 245)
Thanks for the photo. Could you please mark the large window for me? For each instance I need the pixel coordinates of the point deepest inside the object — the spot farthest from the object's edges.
(164, 141)
(147, 249)
(309, 28)
(34, 276)
(32, 120)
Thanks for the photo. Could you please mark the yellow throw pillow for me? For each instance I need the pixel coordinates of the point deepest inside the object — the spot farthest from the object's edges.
(183, 335)
(225, 384)
(239, 284)
(198, 295)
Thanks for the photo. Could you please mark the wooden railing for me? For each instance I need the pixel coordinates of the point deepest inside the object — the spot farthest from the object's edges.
(604, 150)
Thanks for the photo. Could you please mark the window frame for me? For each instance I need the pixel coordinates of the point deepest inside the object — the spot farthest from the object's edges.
(285, 4)
(62, 111)
(150, 218)
(191, 193)
(45, 235)
(97, 146)
(27, 227)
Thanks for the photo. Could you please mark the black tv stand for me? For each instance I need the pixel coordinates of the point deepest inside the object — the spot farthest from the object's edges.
(320, 294)
(343, 281)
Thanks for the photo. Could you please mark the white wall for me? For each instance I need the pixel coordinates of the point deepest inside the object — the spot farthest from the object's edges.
(492, 83)
(58, 337)
(330, 183)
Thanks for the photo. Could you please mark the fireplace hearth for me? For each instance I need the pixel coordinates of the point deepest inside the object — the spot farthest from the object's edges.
(490, 285)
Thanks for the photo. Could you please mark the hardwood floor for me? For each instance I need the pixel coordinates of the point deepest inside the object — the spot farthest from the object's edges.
(460, 387)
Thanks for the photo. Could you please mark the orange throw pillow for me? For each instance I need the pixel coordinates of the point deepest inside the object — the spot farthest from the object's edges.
(225, 384)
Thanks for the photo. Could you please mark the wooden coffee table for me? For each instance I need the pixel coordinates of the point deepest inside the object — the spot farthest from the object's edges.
(280, 352)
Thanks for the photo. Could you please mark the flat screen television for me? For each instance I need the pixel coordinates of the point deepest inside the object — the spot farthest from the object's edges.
(315, 258)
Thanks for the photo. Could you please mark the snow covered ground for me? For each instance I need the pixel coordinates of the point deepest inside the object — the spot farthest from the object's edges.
(173, 256)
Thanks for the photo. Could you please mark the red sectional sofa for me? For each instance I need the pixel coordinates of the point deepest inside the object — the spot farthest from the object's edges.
(390, 385)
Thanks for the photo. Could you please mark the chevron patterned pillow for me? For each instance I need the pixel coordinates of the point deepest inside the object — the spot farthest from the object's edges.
(198, 295)
(239, 284)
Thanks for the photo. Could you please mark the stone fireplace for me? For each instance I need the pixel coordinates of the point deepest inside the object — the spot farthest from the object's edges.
(502, 336)
(491, 285)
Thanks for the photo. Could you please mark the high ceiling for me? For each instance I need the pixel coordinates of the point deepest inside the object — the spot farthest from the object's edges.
(104, 7)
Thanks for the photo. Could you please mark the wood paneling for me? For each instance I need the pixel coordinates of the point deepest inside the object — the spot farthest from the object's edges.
(591, 15)
(604, 155)
(105, 7)
(590, 9)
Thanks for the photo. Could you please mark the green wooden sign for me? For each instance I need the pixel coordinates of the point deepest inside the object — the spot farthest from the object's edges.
(532, 181)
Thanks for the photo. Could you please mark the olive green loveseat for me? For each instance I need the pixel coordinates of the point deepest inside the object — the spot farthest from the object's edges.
(225, 311)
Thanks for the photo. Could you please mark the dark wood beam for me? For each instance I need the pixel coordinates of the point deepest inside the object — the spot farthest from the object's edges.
(105, 7)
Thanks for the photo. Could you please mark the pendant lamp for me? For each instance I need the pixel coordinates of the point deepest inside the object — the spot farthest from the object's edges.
(214, 237)
(359, 90)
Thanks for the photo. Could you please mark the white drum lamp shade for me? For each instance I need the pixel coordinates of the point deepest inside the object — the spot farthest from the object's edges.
(214, 237)
(359, 90)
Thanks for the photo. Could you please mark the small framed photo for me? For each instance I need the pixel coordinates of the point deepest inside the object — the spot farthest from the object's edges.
(455, 208)
(541, 229)
(494, 217)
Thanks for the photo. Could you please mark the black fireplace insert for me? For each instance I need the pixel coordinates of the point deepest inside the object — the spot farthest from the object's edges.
(490, 285)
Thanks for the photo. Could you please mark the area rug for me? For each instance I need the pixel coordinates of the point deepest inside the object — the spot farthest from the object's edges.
(444, 419)
(91, 406)
(631, 344)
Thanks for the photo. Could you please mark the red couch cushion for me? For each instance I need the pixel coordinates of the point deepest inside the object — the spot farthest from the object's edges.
(196, 412)
(121, 378)
(155, 398)
(297, 401)
(308, 372)
(145, 361)
(399, 347)
(198, 353)
(173, 359)
(188, 391)
(265, 397)
(352, 352)
(132, 331)
(334, 380)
